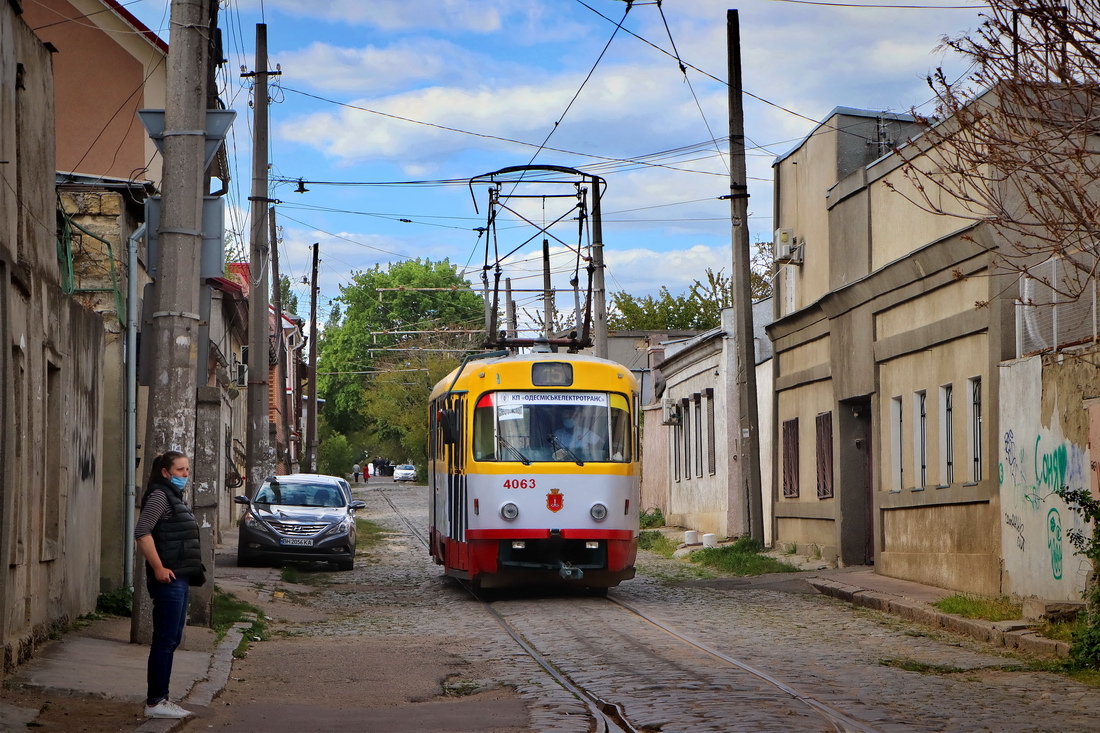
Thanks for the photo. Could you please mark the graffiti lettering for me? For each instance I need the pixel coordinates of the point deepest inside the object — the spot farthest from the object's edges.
(1014, 521)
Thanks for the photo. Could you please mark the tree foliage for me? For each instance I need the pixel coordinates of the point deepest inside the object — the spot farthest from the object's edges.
(1015, 143)
(698, 308)
(376, 315)
(289, 297)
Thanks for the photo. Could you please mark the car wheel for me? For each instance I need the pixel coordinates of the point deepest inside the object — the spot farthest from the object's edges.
(345, 564)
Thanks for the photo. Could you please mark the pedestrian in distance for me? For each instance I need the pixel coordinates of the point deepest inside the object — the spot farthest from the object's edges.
(167, 536)
(355, 472)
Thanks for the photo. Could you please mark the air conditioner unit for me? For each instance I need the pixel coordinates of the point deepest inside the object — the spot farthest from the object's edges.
(241, 377)
(670, 412)
(787, 247)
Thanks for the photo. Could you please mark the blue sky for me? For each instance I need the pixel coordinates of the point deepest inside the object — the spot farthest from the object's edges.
(472, 86)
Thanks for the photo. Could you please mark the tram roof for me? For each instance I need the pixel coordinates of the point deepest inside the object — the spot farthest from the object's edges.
(528, 358)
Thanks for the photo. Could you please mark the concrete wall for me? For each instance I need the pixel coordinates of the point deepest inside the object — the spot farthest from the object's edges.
(50, 376)
(1044, 445)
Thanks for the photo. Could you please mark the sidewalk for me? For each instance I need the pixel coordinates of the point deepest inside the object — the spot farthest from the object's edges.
(98, 662)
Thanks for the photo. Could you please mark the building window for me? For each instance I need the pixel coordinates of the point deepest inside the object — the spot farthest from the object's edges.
(825, 455)
(947, 436)
(711, 452)
(685, 410)
(51, 497)
(897, 466)
(920, 439)
(698, 436)
(790, 459)
(974, 429)
(677, 429)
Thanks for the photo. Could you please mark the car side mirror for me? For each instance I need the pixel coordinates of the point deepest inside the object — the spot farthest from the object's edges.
(357, 505)
(241, 500)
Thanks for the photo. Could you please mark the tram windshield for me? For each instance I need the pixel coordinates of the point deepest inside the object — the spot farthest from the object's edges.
(532, 425)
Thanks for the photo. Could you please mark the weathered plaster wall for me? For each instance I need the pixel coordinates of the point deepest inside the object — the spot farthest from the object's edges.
(1043, 446)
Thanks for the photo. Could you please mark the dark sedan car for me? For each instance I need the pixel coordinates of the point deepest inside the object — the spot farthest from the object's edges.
(299, 518)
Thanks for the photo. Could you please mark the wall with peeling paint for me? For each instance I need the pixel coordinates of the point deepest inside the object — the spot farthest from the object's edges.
(1043, 445)
(50, 376)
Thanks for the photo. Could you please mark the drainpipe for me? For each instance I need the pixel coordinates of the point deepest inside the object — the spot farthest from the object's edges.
(131, 405)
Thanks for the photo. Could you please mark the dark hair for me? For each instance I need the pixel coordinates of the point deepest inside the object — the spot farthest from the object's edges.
(163, 461)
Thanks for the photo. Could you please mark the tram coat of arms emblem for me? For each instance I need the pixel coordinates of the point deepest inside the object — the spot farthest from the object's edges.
(555, 500)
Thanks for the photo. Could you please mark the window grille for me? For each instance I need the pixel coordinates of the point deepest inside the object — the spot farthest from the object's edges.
(790, 459)
(825, 455)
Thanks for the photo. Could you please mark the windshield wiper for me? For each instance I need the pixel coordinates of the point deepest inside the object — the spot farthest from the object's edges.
(526, 461)
(554, 442)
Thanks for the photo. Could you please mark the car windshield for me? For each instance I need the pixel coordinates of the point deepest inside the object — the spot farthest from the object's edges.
(316, 495)
(539, 425)
(405, 468)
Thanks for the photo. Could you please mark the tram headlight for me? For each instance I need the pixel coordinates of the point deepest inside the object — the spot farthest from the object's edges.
(509, 511)
(598, 512)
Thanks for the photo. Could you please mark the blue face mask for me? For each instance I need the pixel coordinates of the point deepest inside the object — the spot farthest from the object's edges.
(567, 422)
(179, 481)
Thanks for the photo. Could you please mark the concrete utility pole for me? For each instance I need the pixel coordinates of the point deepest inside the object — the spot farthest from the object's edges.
(599, 295)
(260, 456)
(174, 330)
(746, 469)
(309, 459)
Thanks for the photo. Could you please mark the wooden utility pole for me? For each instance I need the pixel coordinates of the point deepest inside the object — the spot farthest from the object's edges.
(174, 327)
(282, 368)
(547, 292)
(260, 456)
(746, 471)
(309, 457)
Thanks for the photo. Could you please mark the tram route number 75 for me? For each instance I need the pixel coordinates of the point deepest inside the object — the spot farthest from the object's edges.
(519, 483)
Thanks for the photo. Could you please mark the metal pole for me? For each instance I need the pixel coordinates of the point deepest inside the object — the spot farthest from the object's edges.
(309, 460)
(259, 454)
(599, 297)
(174, 330)
(747, 490)
(547, 291)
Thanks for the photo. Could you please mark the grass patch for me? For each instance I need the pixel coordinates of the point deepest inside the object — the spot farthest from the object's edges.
(229, 610)
(990, 609)
(654, 541)
(1061, 630)
(652, 518)
(369, 534)
(912, 665)
(119, 602)
(740, 558)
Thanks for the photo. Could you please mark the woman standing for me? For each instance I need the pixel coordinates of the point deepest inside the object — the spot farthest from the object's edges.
(168, 537)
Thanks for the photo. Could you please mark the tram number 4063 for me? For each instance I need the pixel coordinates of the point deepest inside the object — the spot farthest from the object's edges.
(519, 483)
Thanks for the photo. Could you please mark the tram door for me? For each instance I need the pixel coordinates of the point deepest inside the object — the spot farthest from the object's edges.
(457, 517)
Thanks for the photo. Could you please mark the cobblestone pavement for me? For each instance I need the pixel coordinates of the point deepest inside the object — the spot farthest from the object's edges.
(846, 657)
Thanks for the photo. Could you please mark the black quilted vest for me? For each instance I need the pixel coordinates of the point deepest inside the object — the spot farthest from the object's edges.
(176, 535)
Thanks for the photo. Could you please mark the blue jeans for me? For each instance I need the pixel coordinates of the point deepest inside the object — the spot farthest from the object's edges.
(169, 618)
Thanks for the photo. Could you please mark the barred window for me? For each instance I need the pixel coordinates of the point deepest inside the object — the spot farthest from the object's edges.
(825, 455)
(790, 459)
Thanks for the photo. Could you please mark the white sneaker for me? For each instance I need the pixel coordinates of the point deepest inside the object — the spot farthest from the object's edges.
(166, 709)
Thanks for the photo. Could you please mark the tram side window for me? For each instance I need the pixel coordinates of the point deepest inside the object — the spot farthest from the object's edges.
(620, 429)
(484, 442)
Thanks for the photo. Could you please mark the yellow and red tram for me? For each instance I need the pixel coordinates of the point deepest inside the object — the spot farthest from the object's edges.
(534, 471)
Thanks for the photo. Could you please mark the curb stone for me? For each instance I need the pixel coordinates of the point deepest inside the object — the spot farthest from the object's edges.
(203, 693)
(1009, 634)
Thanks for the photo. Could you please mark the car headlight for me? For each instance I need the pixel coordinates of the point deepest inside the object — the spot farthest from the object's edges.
(598, 512)
(509, 511)
(341, 527)
(252, 522)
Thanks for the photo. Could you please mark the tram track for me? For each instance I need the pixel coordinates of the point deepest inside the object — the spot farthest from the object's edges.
(609, 717)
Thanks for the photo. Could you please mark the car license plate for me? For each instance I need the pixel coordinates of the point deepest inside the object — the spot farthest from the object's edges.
(297, 541)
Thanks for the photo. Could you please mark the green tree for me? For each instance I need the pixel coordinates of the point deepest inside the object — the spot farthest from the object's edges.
(698, 308)
(383, 311)
(290, 298)
(335, 457)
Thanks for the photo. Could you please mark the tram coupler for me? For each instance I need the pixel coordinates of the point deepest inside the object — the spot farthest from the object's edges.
(569, 572)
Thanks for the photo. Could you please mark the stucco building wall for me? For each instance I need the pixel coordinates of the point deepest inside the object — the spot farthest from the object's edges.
(50, 376)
